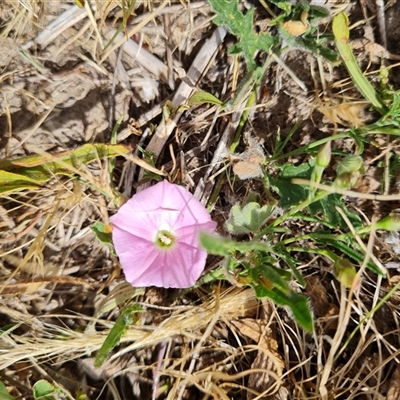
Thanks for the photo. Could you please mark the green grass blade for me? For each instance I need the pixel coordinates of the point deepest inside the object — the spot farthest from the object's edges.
(126, 318)
(33, 171)
(10, 182)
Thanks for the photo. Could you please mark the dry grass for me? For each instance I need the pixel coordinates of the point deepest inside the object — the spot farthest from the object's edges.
(65, 84)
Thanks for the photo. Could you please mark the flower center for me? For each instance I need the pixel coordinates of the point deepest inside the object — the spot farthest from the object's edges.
(165, 239)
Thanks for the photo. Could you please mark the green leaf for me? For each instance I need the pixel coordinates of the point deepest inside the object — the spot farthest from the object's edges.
(4, 394)
(357, 256)
(340, 27)
(291, 262)
(308, 43)
(10, 182)
(272, 276)
(241, 25)
(311, 44)
(113, 338)
(202, 97)
(225, 247)
(297, 303)
(327, 207)
(389, 223)
(247, 219)
(291, 194)
(102, 232)
(43, 389)
(319, 11)
(267, 279)
(301, 310)
(217, 245)
(33, 171)
(283, 5)
(345, 272)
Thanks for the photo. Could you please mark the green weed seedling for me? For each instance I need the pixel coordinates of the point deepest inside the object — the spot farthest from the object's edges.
(261, 261)
(254, 263)
(258, 262)
(250, 42)
(268, 265)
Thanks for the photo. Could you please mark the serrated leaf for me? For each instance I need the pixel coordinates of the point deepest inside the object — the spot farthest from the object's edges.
(241, 25)
(247, 219)
(228, 14)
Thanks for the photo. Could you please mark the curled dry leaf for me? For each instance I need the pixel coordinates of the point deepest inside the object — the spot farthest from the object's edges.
(295, 28)
(248, 165)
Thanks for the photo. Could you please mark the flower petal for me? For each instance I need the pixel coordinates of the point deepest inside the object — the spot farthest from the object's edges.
(143, 224)
(135, 253)
(190, 234)
(182, 266)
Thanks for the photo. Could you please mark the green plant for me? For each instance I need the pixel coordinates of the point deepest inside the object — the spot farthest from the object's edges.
(250, 42)
(262, 262)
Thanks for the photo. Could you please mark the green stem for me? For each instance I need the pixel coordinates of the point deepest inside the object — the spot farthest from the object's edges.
(322, 252)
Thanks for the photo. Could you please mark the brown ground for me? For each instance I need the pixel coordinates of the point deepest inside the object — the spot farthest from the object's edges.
(61, 288)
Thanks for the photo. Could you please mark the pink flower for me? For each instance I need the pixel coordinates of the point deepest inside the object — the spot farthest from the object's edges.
(156, 237)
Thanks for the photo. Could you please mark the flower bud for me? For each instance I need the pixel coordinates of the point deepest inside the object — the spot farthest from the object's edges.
(324, 155)
(346, 180)
(350, 163)
(389, 223)
(345, 272)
